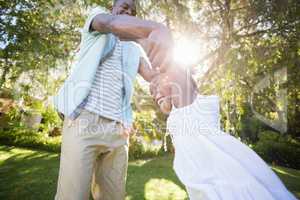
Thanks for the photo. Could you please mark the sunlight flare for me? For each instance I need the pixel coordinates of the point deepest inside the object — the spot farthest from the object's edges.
(186, 51)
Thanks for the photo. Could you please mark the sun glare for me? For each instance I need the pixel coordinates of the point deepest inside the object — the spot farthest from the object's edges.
(186, 52)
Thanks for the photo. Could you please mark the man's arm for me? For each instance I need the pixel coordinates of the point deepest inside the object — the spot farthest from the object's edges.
(146, 71)
(158, 37)
(124, 26)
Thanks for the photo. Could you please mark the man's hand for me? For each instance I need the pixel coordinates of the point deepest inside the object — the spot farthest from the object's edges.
(159, 46)
(126, 131)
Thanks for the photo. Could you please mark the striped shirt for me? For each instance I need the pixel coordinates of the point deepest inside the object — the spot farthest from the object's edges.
(105, 97)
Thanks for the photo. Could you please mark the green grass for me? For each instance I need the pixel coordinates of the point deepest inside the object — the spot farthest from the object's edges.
(28, 174)
(290, 177)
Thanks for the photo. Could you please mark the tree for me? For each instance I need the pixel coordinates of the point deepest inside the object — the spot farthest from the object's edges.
(36, 36)
(247, 41)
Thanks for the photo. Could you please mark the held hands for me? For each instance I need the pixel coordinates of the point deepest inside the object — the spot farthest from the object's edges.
(158, 47)
(161, 93)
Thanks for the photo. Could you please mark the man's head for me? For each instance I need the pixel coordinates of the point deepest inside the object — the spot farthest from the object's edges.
(124, 7)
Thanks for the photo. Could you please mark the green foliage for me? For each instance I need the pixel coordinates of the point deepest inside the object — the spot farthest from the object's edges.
(51, 120)
(34, 35)
(278, 149)
(139, 148)
(32, 106)
(24, 137)
(18, 134)
(248, 125)
(250, 129)
(12, 119)
(148, 126)
(245, 41)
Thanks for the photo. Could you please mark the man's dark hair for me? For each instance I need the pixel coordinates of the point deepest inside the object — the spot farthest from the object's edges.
(115, 1)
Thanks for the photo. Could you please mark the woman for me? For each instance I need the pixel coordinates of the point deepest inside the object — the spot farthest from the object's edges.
(211, 164)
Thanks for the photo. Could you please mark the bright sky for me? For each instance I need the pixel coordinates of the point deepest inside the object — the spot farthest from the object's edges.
(187, 51)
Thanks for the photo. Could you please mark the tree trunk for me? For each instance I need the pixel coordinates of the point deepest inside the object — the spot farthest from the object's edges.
(3, 76)
(5, 70)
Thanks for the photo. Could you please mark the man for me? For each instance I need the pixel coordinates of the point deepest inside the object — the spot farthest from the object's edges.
(95, 100)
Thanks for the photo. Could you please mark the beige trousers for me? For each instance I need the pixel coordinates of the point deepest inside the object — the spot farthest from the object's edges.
(94, 157)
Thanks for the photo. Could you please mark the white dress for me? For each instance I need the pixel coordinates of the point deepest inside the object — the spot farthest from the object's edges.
(214, 165)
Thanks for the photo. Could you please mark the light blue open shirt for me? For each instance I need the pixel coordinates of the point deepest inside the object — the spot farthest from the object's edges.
(94, 49)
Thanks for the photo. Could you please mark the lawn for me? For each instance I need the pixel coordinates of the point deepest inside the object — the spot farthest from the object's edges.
(28, 174)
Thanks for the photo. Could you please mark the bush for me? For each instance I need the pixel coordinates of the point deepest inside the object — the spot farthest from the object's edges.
(278, 149)
(250, 127)
(51, 122)
(24, 137)
(18, 134)
(139, 148)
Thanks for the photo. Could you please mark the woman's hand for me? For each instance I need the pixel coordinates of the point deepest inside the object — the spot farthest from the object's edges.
(160, 90)
(165, 105)
(159, 47)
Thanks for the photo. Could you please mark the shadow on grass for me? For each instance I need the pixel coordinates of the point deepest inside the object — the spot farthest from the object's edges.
(27, 174)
